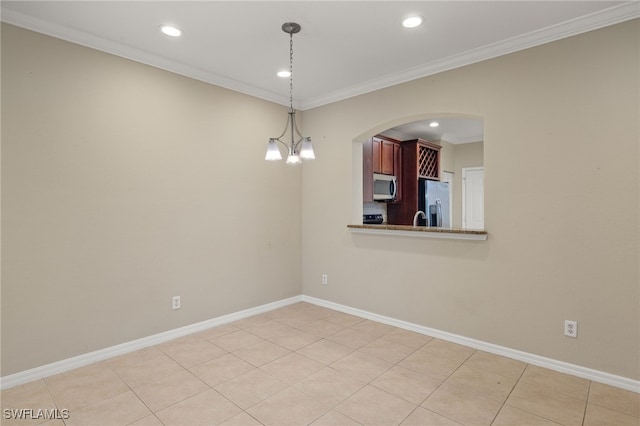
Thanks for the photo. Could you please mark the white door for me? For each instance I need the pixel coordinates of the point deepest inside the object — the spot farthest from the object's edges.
(473, 197)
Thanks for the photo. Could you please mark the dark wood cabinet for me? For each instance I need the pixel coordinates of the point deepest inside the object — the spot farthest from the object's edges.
(380, 155)
(376, 154)
(420, 159)
(383, 154)
(386, 158)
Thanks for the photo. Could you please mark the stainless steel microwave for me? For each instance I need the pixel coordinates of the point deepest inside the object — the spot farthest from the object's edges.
(385, 187)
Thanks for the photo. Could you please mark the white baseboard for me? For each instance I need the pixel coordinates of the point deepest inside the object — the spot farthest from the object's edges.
(552, 364)
(124, 348)
(102, 354)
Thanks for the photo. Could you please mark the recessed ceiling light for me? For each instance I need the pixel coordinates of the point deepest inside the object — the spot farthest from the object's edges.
(171, 31)
(412, 22)
(434, 124)
(284, 73)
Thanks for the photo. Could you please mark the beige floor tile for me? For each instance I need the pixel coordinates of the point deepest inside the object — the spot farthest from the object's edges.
(329, 386)
(545, 402)
(85, 386)
(449, 350)
(298, 320)
(295, 340)
(387, 350)
(615, 399)
(321, 328)
(423, 417)
(345, 320)
(261, 353)
(149, 371)
(250, 388)
(353, 339)
(496, 364)
(325, 351)
(361, 366)
(170, 389)
(236, 340)
(510, 416)
(462, 406)
(289, 407)
(562, 383)
(482, 382)
(192, 351)
(133, 358)
(409, 338)
(292, 368)
(253, 321)
(333, 418)
(54, 422)
(32, 395)
(151, 420)
(218, 331)
(242, 419)
(221, 369)
(205, 408)
(375, 328)
(599, 416)
(407, 384)
(122, 409)
(432, 365)
(371, 406)
(270, 329)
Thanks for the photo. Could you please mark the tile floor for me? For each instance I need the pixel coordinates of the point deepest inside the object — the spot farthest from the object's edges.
(307, 365)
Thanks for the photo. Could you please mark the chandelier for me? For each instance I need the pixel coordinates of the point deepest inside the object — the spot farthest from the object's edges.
(294, 156)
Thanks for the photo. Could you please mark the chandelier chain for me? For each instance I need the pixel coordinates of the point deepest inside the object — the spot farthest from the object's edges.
(291, 71)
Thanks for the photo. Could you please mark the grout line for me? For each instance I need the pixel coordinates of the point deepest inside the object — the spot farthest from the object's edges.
(586, 404)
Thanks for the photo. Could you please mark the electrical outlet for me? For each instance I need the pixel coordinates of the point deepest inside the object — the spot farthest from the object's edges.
(325, 279)
(571, 328)
(175, 302)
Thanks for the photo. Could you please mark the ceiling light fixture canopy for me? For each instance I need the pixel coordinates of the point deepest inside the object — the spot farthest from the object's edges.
(304, 143)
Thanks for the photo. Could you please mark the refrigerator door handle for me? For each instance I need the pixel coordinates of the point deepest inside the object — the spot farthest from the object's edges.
(439, 207)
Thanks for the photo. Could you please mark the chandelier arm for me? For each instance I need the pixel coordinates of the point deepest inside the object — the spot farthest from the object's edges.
(286, 127)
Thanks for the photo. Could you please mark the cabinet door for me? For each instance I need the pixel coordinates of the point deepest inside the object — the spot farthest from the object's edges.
(376, 152)
(387, 157)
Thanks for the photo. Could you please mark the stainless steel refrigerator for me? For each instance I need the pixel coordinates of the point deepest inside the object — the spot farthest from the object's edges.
(433, 200)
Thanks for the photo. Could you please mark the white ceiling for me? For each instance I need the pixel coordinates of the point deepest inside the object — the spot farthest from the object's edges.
(451, 129)
(345, 48)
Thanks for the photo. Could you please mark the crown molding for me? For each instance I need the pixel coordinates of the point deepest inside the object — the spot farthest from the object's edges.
(137, 55)
(611, 16)
(614, 15)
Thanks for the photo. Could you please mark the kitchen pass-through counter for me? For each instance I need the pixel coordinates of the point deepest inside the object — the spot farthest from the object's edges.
(420, 231)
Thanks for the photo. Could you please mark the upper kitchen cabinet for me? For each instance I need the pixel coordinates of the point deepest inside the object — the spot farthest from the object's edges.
(384, 151)
(422, 159)
(380, 155)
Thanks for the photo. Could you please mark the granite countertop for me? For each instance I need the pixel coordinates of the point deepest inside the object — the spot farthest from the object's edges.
(423, 230)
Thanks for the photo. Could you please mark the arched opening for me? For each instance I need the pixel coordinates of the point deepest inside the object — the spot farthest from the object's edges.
(457, 140)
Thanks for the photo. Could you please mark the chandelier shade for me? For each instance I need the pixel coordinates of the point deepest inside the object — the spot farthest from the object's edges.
(300, 149)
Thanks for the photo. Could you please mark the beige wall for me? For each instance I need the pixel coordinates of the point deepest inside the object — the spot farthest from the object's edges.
(124, 185)
(561, 138)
